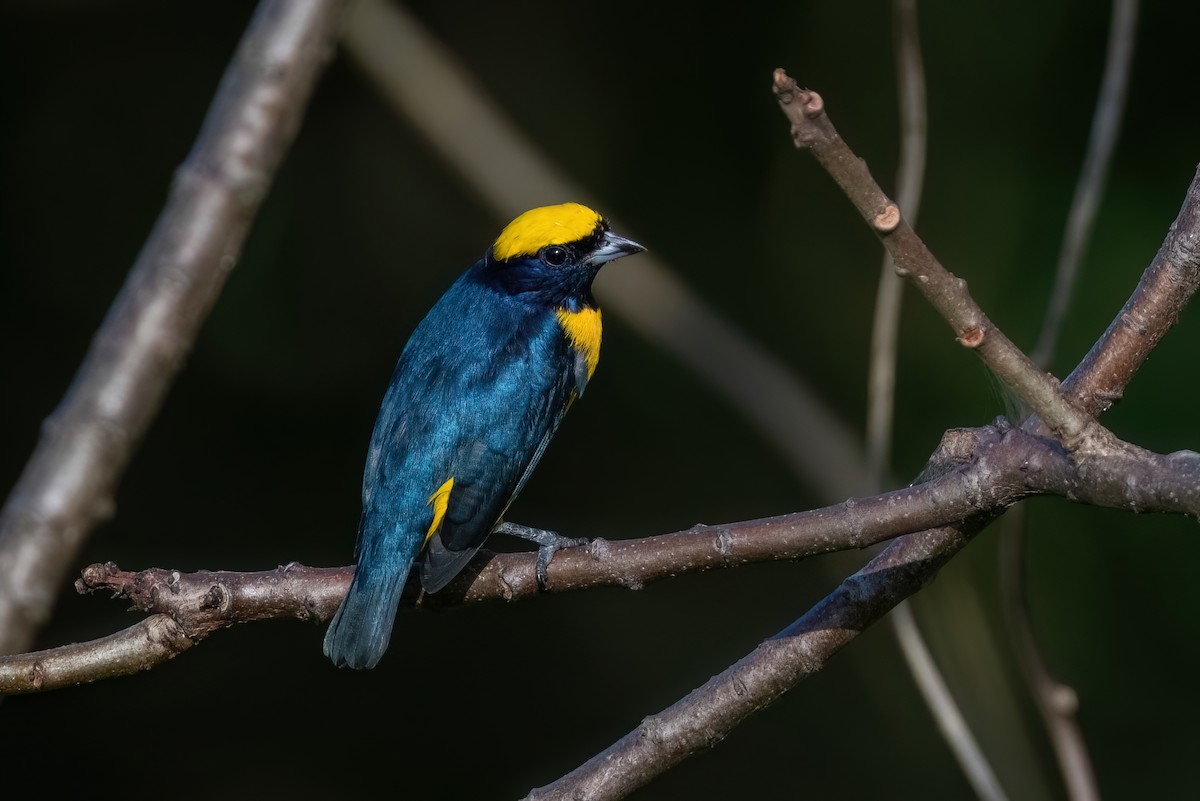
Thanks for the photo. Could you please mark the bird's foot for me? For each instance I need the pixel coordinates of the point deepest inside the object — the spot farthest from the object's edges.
(548, 542)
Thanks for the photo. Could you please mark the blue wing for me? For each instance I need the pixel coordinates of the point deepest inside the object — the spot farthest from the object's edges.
(477, 394)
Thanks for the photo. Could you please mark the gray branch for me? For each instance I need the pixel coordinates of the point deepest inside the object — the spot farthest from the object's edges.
(69, 483)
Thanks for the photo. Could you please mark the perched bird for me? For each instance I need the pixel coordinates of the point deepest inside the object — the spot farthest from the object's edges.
(479, 390)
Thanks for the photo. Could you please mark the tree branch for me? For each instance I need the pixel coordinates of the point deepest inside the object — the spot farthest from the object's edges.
(813, 131)
(706, 715)
(975, 474)
(69, 482)
(1151, 311)
(205, 601)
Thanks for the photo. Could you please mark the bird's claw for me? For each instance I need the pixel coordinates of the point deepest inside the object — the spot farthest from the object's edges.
(546, 553)
(548, 543)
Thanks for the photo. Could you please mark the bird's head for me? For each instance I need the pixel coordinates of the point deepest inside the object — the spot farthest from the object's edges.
(555, 252)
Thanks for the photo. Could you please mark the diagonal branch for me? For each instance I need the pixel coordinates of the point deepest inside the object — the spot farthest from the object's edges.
(707, 714)
(1152, 310)
(813, 131)
(69, 482)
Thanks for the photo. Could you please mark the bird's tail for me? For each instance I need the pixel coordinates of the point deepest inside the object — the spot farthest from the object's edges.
(359, 632)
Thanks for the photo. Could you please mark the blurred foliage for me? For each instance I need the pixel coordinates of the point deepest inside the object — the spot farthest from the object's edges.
(666, 113)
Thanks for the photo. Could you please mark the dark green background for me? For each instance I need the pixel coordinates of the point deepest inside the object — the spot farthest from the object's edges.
(664, 112)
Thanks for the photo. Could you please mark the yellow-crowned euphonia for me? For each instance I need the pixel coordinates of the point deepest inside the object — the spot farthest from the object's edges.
(478, 392)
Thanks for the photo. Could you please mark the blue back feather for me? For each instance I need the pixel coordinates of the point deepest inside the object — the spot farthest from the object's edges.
(479, 390)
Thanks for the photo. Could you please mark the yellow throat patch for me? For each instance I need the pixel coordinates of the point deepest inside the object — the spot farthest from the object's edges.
(548, 225)
(583, 331)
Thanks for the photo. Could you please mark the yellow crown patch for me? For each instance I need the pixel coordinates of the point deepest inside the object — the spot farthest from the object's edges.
(548, 225)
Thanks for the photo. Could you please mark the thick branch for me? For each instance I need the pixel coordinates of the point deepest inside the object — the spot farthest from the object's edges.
(68, 484)
(143, 646)
(706, 715)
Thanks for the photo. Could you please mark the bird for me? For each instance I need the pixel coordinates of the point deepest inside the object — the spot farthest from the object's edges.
(479, 390)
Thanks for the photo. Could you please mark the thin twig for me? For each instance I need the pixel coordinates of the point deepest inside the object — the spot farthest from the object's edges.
(1106, 125)
(1057, 703)
(950, 720)
(68, 484)
(910, 174)
(813, 131)
(1058, 716)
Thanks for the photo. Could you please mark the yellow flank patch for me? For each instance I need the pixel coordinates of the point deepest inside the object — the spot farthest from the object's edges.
(548, 225)
(439, 500)
(583, 331)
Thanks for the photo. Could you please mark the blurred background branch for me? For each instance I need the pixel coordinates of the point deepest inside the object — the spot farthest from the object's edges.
(881, 394)
(69, 483)
(1102, 142)
(1057, 703)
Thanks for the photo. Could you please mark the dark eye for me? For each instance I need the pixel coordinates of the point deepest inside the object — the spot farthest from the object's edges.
(554, 256)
